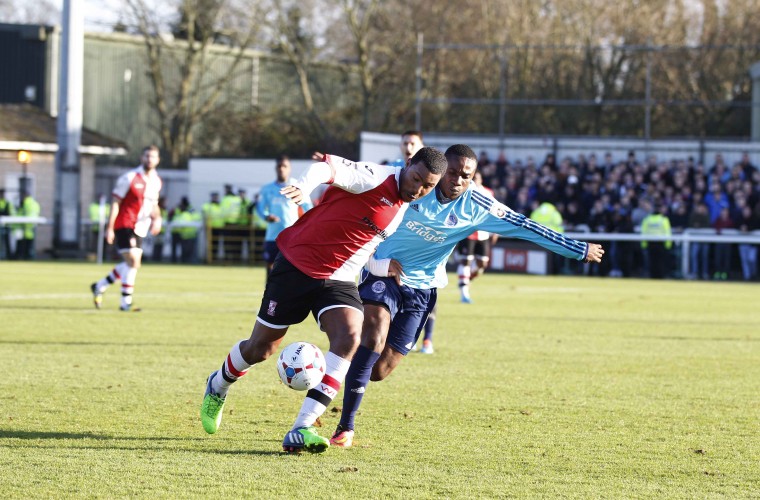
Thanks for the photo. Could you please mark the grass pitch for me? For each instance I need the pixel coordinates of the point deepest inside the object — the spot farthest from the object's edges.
(543, 387)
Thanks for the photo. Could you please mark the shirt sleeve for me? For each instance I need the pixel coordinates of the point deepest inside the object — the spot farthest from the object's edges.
(502, 220)
(358, 177)
(354, 177)
(122, 186)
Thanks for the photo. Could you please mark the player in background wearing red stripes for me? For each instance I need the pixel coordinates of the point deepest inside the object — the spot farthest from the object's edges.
(134, 212)
(320, 257)
(474, 252)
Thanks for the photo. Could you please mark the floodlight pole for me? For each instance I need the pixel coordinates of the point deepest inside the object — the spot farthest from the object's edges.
(69, 130)
(418, 85)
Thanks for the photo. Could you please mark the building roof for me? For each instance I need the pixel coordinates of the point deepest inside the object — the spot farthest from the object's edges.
(23, 126)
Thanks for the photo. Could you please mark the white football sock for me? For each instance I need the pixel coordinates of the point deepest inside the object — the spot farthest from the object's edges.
(318, 398)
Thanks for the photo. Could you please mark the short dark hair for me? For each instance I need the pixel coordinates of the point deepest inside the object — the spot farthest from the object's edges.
(282, 158)
(413, 132)
(152, 147)
(433, 160)
(462, 151)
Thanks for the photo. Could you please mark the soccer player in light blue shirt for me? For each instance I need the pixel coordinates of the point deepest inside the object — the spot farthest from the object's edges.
(399, 286)
(278, 210)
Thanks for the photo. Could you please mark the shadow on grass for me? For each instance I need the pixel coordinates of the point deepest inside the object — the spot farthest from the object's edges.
(701, 339)
(5, 433)
(114, 440)
(50, 435)
(90, 342)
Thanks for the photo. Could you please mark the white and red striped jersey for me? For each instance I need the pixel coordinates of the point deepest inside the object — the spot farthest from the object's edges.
(361, 208)
(138, 193)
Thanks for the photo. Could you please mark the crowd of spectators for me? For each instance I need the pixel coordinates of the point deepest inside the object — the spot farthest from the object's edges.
(614, 196)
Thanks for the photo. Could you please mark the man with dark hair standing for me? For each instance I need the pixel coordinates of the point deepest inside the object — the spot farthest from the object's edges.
(134, 212)
(6, 209)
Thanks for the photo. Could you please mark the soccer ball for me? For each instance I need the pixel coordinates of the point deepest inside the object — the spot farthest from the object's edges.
(301, 366)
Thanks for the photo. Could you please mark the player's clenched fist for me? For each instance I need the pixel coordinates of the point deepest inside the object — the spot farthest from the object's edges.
(595, 252)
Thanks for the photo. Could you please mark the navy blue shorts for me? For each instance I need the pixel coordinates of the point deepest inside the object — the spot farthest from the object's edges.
(409, 308)
(271, 251)
(290, 295)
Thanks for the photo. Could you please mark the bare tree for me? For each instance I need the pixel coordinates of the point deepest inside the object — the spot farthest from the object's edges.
(292, 39)
(26, 12)
(184, 100)
(358, 16)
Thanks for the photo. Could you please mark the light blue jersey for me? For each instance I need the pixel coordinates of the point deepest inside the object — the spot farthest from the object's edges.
(271, 202)
(431, 229)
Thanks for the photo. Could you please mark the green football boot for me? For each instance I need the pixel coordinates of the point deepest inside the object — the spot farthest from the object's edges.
(304, 438)
(211, 409)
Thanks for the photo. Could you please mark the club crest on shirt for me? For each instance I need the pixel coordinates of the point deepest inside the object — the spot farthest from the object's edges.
(415, 207)
(271, 308)
(451, 220)
(378, 287)
(499, 210)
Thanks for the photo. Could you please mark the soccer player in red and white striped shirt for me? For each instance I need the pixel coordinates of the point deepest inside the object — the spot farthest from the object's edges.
(320, 257)
(134, 212)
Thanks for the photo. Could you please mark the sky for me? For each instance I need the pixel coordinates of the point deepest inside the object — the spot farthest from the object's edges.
(100, 15)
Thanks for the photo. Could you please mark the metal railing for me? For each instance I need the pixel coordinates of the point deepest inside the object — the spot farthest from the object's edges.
(686, 238)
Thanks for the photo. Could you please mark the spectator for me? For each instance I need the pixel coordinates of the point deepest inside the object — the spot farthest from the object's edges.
(723, 250)
(547, 215)
(213, 220)
(98, 223)
(750, 221)
(657, 224)
(233, 239)
(747, 167)
(188, 231)
(621, 252)
(6, 209)
(716, 201)
(699, 259)
(25, 246)
(175, 216)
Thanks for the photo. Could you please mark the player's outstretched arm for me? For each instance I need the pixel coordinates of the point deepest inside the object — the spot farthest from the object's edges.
(595, 252)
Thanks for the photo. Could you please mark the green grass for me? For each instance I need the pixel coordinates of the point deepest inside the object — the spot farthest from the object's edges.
(544, 387)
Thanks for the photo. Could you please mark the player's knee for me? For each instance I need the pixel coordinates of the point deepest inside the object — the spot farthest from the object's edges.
(372, 342)
(371, 336)
(345, 343)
